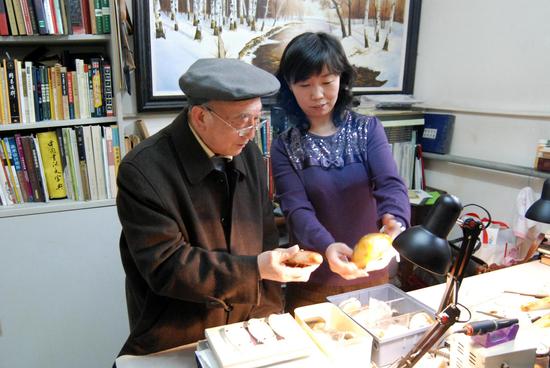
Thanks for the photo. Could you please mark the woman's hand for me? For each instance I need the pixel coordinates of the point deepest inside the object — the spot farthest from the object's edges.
(338, 256)
(391, 226)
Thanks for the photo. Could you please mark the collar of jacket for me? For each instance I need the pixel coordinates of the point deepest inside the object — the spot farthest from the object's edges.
(195, 161)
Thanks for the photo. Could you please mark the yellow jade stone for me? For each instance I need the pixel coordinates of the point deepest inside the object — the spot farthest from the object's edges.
(370, 248)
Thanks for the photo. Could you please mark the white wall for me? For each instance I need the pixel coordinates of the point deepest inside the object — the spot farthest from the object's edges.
(487, 63)
(62, 300)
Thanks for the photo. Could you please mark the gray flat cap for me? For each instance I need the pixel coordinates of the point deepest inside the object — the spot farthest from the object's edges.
(226, 80)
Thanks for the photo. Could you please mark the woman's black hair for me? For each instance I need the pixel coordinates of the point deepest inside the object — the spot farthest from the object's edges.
(304, 56)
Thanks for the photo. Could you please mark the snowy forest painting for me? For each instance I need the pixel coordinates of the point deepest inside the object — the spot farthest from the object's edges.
(379, 36)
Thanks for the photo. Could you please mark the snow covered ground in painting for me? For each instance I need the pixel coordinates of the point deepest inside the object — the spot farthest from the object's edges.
(172, 55)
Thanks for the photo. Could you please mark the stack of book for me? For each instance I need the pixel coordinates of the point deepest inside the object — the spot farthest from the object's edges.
(542, 158)
(77, 163)
(31, 93)
(54, 17)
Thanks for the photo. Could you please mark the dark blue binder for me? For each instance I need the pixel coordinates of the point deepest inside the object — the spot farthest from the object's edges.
(437, 133)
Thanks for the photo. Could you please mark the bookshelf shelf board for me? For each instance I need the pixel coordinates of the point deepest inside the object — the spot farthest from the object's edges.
(55, 39)
(57, 123)
(489, 165)
(58, 205)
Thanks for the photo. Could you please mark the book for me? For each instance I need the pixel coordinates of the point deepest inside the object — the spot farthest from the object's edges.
(21, 27)
(51, 162)
(543, 164)
(110, 164)
(545, 259)
(64, 163)
(26, 17)
(85, 9)
(75, 163)
(75, 16)
(33, 168)
(82, 164)
(41, 17)
(4, 107)
(20, 92)
(108, 89)
(64, 17)
(98, 16)
(97, 148)
(97, 89)
(56, 10)
(24, 179)
(69, 169)
(30, 91)
(5, 195)
(11, 168)
(90, 162)
(4, 31)
(32, 16)
(12, 19)
(142, 129)
(64, 92)
(38, 158)
(5, 172)
(106, 16)
(91, 15)
(12, 91)
(70, 96)
(50, 16)
(116, 147)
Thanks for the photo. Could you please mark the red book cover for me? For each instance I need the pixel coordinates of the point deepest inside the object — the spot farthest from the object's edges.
(3, 20)
(54, 17)
(85, 8)
(26, 17)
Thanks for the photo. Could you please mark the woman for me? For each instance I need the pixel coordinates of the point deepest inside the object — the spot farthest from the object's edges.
(334, 172)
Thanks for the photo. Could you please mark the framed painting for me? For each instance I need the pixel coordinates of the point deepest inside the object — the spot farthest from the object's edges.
(380, 38)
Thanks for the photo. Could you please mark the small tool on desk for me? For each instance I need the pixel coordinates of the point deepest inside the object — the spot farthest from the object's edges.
(491, 332)
(538, 296)
(491, 314)
(486, 326)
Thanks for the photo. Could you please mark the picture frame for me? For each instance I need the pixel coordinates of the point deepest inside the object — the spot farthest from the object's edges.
(169, 39)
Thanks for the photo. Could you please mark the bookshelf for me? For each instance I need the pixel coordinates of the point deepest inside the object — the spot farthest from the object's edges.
(59, 48)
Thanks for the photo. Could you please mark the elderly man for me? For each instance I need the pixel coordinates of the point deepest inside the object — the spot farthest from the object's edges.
(198, 241)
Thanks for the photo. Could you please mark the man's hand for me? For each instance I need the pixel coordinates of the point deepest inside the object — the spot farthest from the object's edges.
(272, 266)
(338, 256)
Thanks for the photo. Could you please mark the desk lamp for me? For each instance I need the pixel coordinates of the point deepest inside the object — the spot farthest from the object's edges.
(427, 247)
(540, 210)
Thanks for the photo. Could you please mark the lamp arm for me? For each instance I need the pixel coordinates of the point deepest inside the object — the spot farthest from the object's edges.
(471, 228)
(431, 338)
(448, 312)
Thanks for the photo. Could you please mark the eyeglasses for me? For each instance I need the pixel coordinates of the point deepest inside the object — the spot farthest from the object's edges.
(243, 119)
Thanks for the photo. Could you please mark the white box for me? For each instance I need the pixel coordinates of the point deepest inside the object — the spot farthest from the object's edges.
(292, 343)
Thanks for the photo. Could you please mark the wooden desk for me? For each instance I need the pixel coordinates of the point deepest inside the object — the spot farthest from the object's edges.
(476, 292)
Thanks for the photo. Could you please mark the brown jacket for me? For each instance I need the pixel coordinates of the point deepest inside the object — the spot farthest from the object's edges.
(181, 274)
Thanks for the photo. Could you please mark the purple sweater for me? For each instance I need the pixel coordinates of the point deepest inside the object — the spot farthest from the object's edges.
(336, 188)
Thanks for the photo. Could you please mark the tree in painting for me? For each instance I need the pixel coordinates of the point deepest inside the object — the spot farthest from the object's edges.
(373, 33)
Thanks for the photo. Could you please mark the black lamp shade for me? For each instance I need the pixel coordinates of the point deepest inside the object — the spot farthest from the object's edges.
(426, 245)
(540, 210)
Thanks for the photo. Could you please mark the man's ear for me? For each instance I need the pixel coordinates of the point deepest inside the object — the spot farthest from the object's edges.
(197, 114)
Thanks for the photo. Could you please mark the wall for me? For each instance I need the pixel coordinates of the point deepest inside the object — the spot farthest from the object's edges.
(62, 298)
(486, 62)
